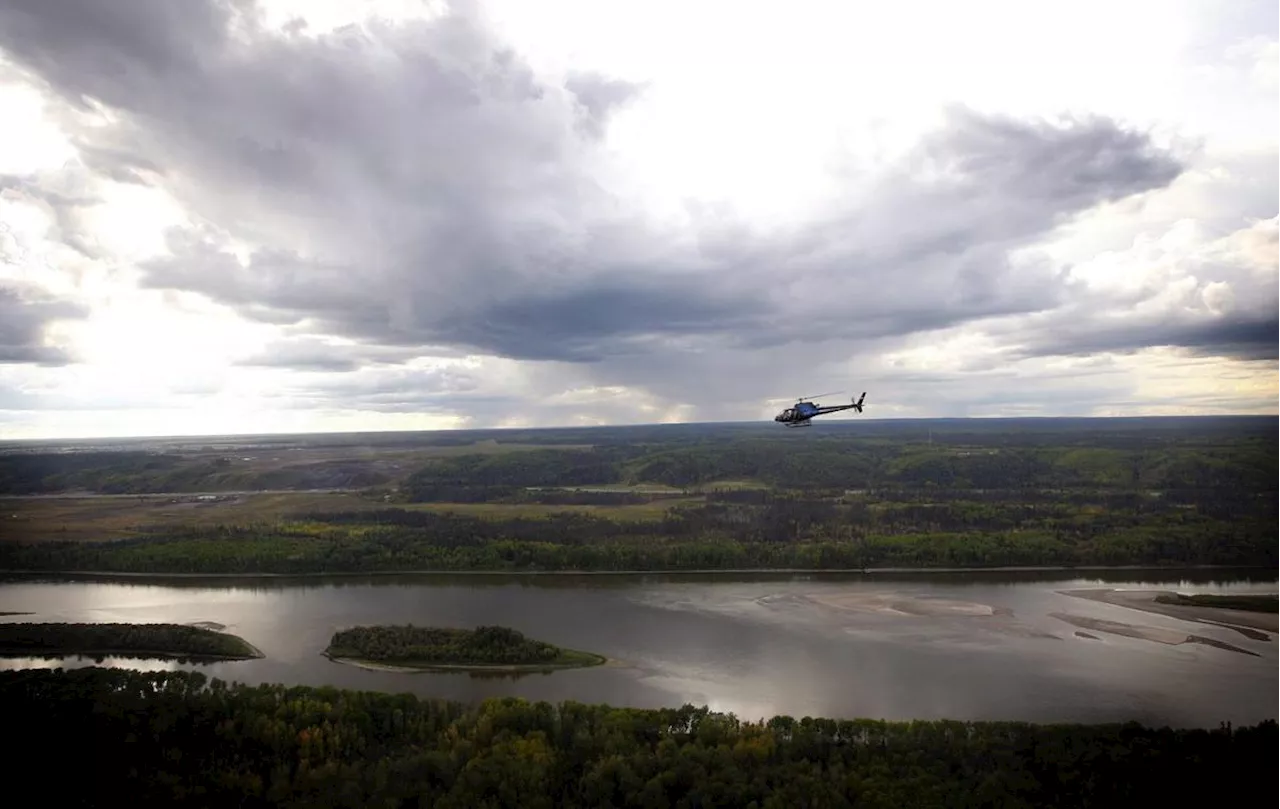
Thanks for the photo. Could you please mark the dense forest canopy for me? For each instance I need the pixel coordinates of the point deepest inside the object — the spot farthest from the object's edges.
(166, 640)
(482, 646)
(176, 738)
(983, 453)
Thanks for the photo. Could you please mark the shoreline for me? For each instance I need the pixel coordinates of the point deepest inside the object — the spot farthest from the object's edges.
(140, 654)
(869, 571)
(462, 668)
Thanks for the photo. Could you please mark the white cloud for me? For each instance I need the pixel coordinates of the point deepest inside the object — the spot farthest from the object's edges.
(679, 211)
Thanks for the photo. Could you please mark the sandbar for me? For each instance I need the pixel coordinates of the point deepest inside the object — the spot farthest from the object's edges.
(1246, 623)
(1170, 637)
(900, 604)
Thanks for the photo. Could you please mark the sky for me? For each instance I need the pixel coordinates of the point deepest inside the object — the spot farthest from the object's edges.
(229, 216)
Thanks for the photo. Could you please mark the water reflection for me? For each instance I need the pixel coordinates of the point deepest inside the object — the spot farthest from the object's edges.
(757, 645)
(80, 661)
(1173, 578)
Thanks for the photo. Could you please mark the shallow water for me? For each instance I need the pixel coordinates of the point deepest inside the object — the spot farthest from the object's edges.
(756, 645)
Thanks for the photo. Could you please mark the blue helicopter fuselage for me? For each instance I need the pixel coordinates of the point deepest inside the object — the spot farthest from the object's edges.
(799, 414)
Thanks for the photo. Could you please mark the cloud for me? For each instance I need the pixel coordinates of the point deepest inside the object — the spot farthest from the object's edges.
(1215, 298)
(415, 188)
(23, 321)
(451, 199)
(312, 354)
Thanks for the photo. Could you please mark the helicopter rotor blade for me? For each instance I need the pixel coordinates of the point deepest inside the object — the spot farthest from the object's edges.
(820, 395)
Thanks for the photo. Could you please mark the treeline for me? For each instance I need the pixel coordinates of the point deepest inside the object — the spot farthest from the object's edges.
(41, 473)
(43, 639)
(484, 645)
(390, 548)
(1230, 468)
(115, 472)
(176, 738)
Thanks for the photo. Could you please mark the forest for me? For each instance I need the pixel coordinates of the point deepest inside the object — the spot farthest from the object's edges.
(125, 640)
(178, 738)
(1052, 492)
(421, 645)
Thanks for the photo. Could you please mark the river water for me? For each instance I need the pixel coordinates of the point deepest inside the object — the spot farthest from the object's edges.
(757, 645)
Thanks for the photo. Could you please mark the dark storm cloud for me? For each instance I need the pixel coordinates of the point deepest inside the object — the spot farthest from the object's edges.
(1246, 337)
(22, 327)
(418, 185)
(1222, 302)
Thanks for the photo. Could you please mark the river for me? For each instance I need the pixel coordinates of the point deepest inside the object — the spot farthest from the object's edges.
(757, 645)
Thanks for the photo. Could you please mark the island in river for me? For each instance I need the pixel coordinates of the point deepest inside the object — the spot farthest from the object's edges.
(421, 648)
(160, 641)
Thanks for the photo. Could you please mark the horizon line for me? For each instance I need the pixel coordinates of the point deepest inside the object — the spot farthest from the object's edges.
(847, 422)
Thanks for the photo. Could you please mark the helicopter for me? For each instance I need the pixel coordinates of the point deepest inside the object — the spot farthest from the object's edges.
(802, 413)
